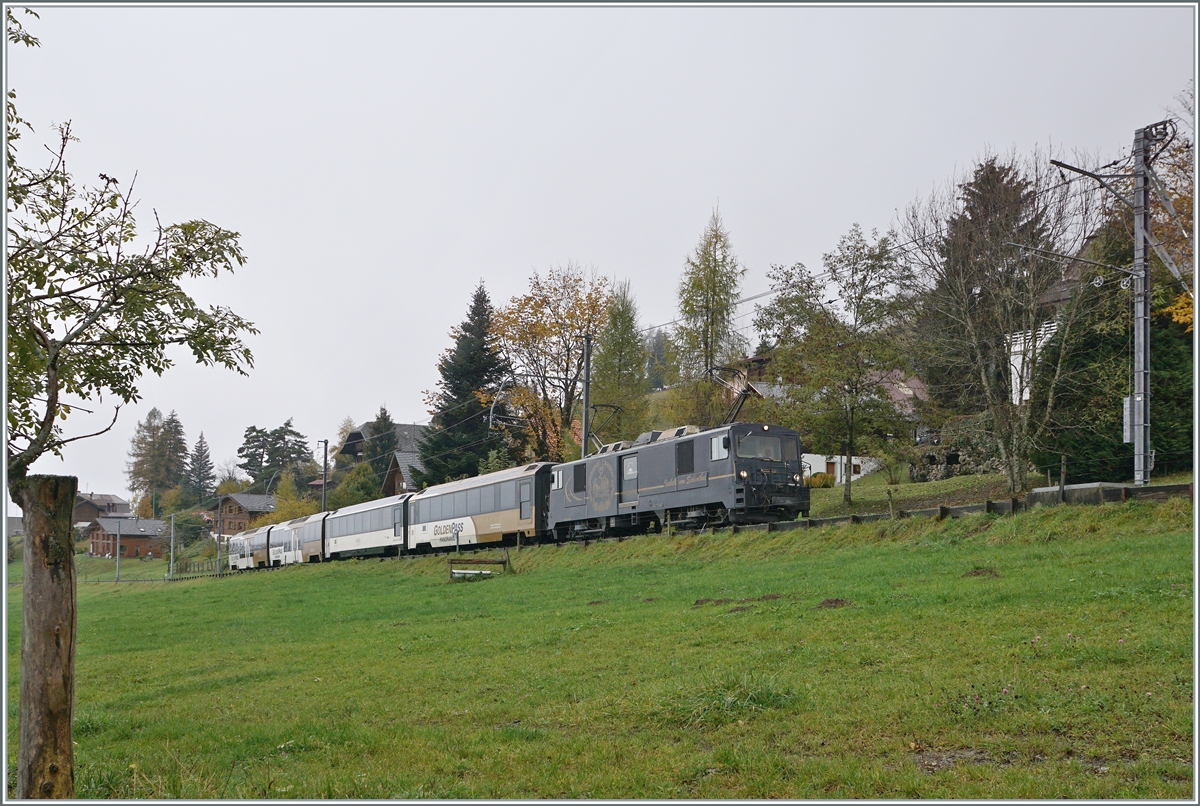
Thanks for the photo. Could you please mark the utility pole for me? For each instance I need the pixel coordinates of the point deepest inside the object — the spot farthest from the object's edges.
(587, 393)
(1138, 407)
(171, 568)
(118, 550)
(1143, 459)
(324, 472)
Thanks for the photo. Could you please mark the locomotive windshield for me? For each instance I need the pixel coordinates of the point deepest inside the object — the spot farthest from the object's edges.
(771, 449)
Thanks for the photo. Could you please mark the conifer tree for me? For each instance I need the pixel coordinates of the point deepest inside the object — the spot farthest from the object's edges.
(200, 473)
(708, 292)
(157, 454)
(619, 368)
(458, 439)
(382, 444)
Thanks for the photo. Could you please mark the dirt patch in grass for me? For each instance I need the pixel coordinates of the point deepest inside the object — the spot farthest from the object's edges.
(829, 603)
(598, 602)
(931, 761)
(651, 599)
(982, 572)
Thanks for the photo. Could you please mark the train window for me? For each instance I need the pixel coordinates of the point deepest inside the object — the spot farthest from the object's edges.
(791, 450)
(685, 457)
(525, 491)
(491, 498)
(556, 480)
(756, 446)
(460, 505)
(473, 501)
(526, 500)
(508, 495)
(397, 514)
(718, 448)
(629, 467)
(580, 478)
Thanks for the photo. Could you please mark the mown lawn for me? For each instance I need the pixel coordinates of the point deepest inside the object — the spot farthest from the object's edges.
(1046, 655)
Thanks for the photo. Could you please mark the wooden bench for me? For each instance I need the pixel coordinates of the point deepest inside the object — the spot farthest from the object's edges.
(464, 573)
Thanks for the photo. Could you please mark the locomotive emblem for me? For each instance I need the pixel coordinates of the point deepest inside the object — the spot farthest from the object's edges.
(603, 485)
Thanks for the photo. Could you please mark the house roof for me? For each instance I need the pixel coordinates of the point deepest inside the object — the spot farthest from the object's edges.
(100, 498)
(131, 527)
(15, 526)
(249, 502)
(407, 437)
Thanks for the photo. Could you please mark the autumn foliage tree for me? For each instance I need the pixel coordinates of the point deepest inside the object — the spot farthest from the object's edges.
(541, 336)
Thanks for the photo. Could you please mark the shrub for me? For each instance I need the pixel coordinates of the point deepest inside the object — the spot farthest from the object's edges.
(821, 480)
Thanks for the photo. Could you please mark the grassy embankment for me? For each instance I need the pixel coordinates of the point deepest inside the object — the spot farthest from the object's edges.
(870, 494)
(1046, 655)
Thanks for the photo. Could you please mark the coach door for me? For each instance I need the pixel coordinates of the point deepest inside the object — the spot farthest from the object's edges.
(629, 481)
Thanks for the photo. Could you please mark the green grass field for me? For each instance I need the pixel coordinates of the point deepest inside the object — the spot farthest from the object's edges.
(1044, 655)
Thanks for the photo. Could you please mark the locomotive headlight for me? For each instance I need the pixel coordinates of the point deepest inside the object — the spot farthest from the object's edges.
(742, 474)
(796, 478)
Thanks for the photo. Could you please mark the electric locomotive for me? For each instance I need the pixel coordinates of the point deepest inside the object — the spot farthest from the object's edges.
(688, 476)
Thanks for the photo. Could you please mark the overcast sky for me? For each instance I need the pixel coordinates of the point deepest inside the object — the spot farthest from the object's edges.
(380, 161)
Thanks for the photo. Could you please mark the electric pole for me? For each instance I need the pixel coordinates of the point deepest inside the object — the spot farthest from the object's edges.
(1143, 459)
(587, 393)
(118, 579)
(324, 472)
(171, 569)
(1137, 407)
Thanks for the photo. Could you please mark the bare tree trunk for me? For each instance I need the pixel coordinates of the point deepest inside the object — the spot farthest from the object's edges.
(46, 761)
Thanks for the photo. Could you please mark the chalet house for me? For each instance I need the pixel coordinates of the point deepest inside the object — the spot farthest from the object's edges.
(137, 537)
(406, 459)
(234, 511)
(89, 506)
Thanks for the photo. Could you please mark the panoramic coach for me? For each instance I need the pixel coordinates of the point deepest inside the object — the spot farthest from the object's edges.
(497, 508)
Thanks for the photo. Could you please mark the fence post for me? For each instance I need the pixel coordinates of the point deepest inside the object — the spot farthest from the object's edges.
(1062, 479)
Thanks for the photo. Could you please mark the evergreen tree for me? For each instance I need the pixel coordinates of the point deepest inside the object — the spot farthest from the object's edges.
(458, 439)
(659, 367)
(253, 452)
(383, 442)
(156, 460)
(267, 453)
(708, 293)
(201, 477)
(619, 367)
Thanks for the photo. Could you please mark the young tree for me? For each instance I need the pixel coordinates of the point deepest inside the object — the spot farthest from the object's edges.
(838, 354)
(708, 294)
(88, 314)
(619, 367)
(541, 335)
(984, 316)
(201, 477)
(661, 365)
(458, 438)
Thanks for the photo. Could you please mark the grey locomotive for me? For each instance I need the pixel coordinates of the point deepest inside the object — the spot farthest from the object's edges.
(692, 477)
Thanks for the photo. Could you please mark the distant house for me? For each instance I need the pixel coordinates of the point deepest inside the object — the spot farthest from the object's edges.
(406, 459)
(234, 511)
(137, 537)
(89, 506)
(15, 526)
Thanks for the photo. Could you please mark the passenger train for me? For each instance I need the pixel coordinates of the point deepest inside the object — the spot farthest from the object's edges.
(688, 477)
